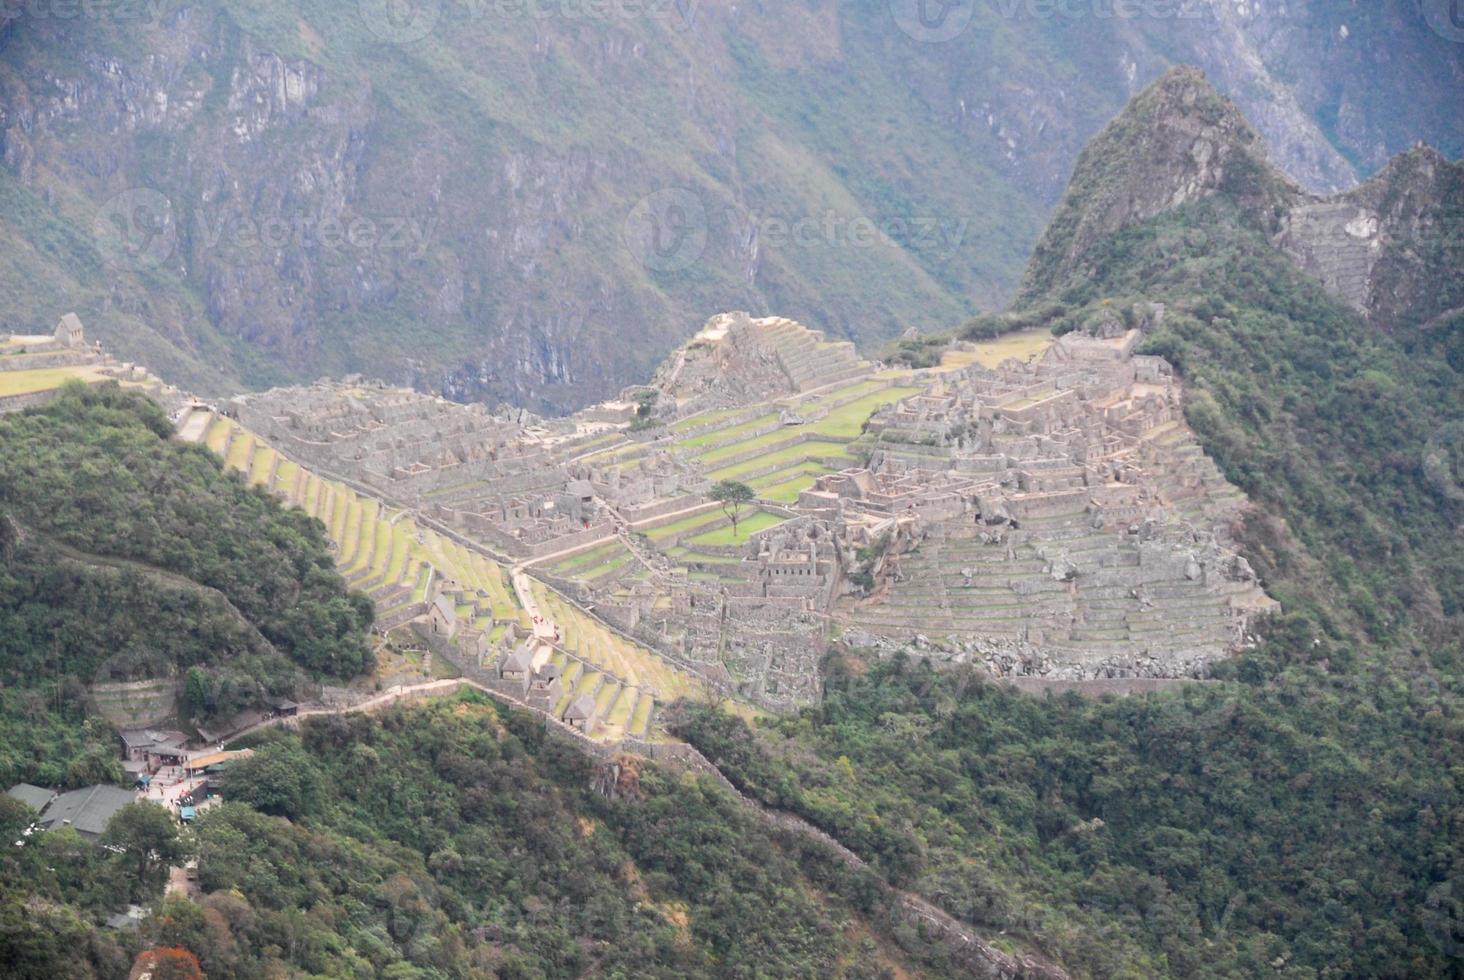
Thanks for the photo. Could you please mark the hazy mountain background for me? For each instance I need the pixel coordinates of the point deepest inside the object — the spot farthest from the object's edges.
(535, 202)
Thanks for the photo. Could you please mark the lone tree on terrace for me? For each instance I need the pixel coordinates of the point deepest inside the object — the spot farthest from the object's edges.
(733, 496)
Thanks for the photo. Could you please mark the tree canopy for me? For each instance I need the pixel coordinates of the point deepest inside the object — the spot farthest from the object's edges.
(733, 496)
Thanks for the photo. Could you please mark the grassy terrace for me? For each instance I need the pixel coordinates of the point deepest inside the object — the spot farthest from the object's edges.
(705, 418)
(801, 453)
(684, 554)
(594, 556)
(597, 643)
(594, 563)
(241, 447)
(666, 531)
(847, 421)
(859, 388)
(375, 551)
(378, 552)
(749, 525)
(990, 353)
(44, 379)
(719, 435)
(788, 491)
(798, 464)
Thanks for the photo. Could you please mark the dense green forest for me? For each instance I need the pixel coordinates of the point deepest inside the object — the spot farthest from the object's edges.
(1288, 820)
(457, 840)
(128, 556)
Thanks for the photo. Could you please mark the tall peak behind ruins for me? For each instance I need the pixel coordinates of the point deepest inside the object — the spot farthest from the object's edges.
(1382, 247)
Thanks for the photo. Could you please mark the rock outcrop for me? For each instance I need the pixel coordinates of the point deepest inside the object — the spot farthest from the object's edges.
(1381, 247)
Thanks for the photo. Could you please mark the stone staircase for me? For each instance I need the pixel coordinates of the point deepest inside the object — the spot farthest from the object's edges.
(806, 358)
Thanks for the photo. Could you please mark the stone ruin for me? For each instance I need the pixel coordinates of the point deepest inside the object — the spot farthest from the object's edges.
(1071, 525)
(736, 360)
(66, 347)
(1053, 518)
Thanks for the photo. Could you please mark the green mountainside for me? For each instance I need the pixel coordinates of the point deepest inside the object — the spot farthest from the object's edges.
(488, 198)
(129, 557)
(453, 841)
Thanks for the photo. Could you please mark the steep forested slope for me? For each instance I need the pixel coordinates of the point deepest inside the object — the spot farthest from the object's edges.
(131, 557)
(454, 840)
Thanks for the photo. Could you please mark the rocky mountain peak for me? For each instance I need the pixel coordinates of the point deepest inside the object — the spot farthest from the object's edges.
(1382, 247)
(1177, 141)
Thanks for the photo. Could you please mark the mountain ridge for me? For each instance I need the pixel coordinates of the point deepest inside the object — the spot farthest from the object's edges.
(1384, 247)
(529, 155)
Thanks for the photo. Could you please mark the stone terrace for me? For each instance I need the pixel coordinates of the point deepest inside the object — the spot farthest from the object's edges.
(1067, 511)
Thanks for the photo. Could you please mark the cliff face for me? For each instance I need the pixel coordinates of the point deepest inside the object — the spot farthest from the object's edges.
(539, 208)
(1391, 248)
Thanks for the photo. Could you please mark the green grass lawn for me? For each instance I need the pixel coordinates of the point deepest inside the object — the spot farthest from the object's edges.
(603, 567)
(705, 418)
(788, 473)
(857, 388)
(666, 531)
(763, 441)
(642, 713)
(749, 525)
(843, 423)
(846, 422)
(44, 379)
(592, 557)
(696, 442)
(787, 492)
(803, 452)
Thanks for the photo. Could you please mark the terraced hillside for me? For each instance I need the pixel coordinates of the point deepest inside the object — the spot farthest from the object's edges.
(779, 447)
(625, 679)
(404, 566)
(1100, 540)
(387, 555)
(780, 456)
